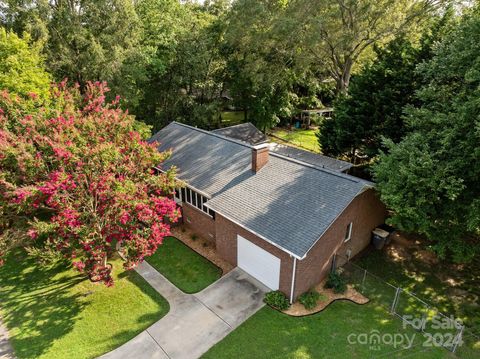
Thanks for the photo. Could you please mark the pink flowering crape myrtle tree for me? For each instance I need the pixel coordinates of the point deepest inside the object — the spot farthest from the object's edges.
(76, 180)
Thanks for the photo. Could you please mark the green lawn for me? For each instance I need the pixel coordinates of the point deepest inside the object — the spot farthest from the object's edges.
(53, 312)
(451, 288)
(230, 118)
(184, 267)
(301, 138)
(270, 334)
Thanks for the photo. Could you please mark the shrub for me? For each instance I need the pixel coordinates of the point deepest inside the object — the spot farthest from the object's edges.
(309, 299)
(336, 282)
(277, 300)
(194, 237)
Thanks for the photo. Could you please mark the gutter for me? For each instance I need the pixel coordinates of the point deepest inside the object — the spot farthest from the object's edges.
(293, 279)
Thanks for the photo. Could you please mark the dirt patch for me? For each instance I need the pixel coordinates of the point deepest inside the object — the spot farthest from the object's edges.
(427, 256)
(327, 296)
(202, 246)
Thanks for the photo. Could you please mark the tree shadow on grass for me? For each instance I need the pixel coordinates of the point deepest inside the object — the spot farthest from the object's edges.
(37, 304)
(144, 321)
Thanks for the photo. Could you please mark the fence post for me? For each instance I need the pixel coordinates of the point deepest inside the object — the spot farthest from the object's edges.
(363, 279)
(424, 321)
(395, 300)
(458, 339)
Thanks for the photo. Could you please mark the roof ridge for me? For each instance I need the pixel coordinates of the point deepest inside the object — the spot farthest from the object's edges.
(238, 124)
(212, 134)
(280, 145)
(324, 169)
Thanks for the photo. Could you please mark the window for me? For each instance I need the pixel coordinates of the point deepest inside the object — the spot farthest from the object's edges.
(195, 199)
(348, 233)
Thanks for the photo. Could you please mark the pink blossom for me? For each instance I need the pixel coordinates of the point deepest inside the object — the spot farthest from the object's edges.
(32, 233)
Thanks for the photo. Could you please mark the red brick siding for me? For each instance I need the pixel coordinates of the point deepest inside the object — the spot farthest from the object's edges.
(259, 158)
(365, 212)
(198, 221)
(226, 243)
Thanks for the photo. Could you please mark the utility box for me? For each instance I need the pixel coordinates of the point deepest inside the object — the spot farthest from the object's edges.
(379, 238)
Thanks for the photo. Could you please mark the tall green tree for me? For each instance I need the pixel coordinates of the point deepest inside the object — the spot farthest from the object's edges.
(85, 40)
(260, 67)
(334, 35)
(373, 108)
(185, 73)
(430, 179)
(21, 66)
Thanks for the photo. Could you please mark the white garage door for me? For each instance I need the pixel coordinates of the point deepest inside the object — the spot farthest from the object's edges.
(259, 263)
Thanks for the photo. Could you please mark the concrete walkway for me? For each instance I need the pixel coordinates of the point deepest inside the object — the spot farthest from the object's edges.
(6, 350)
(195, 322)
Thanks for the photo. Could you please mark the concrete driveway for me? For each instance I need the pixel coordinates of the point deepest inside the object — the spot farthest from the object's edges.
(195, 322)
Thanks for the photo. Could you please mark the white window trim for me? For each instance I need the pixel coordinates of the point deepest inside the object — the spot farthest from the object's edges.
(196, 194)
(350, 227)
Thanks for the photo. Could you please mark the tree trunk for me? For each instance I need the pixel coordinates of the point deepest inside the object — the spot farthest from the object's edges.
(343, 78)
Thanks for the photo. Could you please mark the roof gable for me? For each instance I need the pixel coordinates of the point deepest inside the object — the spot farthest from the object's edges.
(245, 132)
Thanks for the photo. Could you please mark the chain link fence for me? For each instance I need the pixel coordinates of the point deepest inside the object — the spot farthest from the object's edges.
(438, 329)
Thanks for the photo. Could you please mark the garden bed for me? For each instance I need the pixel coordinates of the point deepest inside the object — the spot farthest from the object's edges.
(327, 296)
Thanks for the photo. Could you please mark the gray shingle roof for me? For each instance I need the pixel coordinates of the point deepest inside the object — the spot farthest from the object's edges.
(287, 202)
(245, 132)
(207, 162)
(310, 158)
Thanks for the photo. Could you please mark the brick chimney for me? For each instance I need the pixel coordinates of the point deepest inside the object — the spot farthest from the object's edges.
(259, 157)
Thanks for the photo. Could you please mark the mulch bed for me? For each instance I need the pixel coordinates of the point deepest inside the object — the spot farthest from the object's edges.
(327, 297)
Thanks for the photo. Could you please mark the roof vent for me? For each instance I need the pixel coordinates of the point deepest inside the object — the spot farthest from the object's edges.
(259, 157)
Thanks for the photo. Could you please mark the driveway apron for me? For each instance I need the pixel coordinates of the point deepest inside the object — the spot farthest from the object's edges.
(195, 322)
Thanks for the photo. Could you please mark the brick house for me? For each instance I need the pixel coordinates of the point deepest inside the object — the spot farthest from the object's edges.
(278, 213)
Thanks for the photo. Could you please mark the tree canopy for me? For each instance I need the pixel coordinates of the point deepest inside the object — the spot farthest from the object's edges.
(430, 178)
(373, 108)
(76, 180)
(21, 66)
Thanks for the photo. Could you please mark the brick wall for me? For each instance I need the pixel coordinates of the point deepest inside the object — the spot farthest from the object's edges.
(365, 212)
(259, 158)
(226, 242)
(198, 221)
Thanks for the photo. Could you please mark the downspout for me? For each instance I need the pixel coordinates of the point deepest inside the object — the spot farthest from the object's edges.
(293, 279)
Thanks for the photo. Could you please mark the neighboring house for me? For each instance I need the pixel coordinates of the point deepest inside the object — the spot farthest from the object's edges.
(280, 219)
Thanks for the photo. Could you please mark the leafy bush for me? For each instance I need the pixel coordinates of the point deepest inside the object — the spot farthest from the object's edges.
(336, 282)
(277, 300)
(194, 237)
(309, 299)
